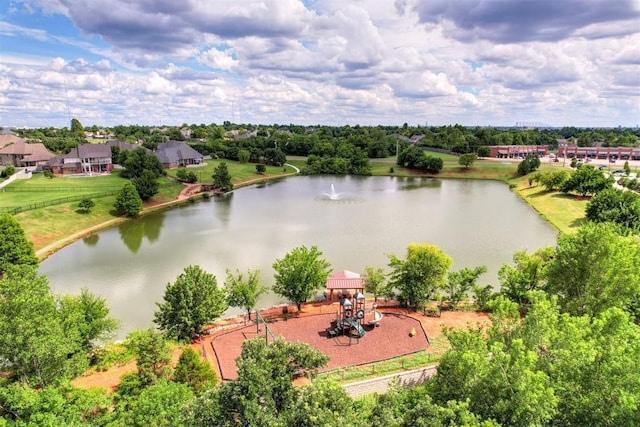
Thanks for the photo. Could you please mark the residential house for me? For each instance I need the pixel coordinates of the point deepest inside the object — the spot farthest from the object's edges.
(175, 154)
(83, 159)
(19, 153)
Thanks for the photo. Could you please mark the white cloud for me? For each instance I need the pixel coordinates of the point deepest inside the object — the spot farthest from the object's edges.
(323, 61)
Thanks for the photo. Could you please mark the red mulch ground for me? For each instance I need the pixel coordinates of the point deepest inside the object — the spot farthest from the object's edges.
(388, 340)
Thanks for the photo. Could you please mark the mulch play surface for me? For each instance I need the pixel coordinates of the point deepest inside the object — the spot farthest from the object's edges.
(390, 339)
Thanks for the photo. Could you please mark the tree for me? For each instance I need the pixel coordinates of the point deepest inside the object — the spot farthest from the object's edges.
(498, 375)
(76, 128)
(146, 184)
(222, 178)
(594, 269)
(374, 281)
(586, 180)
(191, 302)
(32, 339)
(484, 151)
(300, 274)
(626, 167)
(264, 385)
(138, 160)
(152, 355)
(243, 292)
(619, 207)
(15, 249)
(553, 180)
(88, 315)
(459, 283)
(194, 371)
(419, 275)
(530, 163)
(128, 201)
(86, 204)
(466, 160)
(526, 275)
(158, 405)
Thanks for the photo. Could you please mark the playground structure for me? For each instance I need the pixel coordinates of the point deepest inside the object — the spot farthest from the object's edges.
(352, 317)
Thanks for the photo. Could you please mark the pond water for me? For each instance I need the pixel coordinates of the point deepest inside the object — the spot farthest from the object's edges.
(354, 221)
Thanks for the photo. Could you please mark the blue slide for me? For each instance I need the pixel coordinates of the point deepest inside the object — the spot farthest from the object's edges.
(357, 327)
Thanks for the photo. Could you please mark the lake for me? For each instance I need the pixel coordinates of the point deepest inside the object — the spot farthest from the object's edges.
(356, 225)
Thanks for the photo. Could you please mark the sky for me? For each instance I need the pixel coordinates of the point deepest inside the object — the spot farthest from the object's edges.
(326, 62)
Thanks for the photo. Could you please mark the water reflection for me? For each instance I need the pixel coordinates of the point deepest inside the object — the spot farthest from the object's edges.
(133, 232)
(91, 240)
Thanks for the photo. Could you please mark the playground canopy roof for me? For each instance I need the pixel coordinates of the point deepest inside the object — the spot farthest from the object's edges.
(344, 280)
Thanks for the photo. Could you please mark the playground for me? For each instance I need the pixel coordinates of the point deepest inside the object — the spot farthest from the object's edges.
(372, 338)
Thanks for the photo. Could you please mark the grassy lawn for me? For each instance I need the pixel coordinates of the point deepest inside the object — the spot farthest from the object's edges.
(241, 174)
(53, 223)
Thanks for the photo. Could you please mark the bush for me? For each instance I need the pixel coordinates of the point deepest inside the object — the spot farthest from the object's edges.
(48, 173)
(8, 171)
(186, 176)
(86, 204)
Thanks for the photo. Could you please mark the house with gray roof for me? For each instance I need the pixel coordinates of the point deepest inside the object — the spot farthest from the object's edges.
(83, 159)
(173, 154)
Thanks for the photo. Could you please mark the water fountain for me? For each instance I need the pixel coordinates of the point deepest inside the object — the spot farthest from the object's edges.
(336, 197)
(333, 195)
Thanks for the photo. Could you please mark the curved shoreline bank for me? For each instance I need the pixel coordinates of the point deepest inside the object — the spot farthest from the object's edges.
(185, 197)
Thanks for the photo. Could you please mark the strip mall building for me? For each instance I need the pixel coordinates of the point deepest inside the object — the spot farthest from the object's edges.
(602, 153)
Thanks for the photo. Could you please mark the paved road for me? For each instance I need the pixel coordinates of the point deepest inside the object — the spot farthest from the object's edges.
(380, 385)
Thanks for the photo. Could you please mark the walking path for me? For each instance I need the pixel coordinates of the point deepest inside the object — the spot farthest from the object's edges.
(381, 385)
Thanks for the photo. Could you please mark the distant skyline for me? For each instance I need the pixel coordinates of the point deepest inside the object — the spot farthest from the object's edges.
(327, 62)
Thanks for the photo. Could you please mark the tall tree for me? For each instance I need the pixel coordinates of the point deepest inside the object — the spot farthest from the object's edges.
(138, 160)
(264, 385)
(417, 277)
(128, 201)
(586, 180)
(300, 274)
(594, 269)
(14, 247)
(526, 275)
(146, 184)
(244, 292)
(32, 338)
(498, 375)
(191, 302)
(77, 129)
(89, 316)
(374, 281)
(222, 178)
(619, 207)
(459, 283)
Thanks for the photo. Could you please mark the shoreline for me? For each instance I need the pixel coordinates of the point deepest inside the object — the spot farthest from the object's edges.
(186, 196)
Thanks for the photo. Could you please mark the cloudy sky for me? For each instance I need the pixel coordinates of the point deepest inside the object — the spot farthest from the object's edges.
(334, 62)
